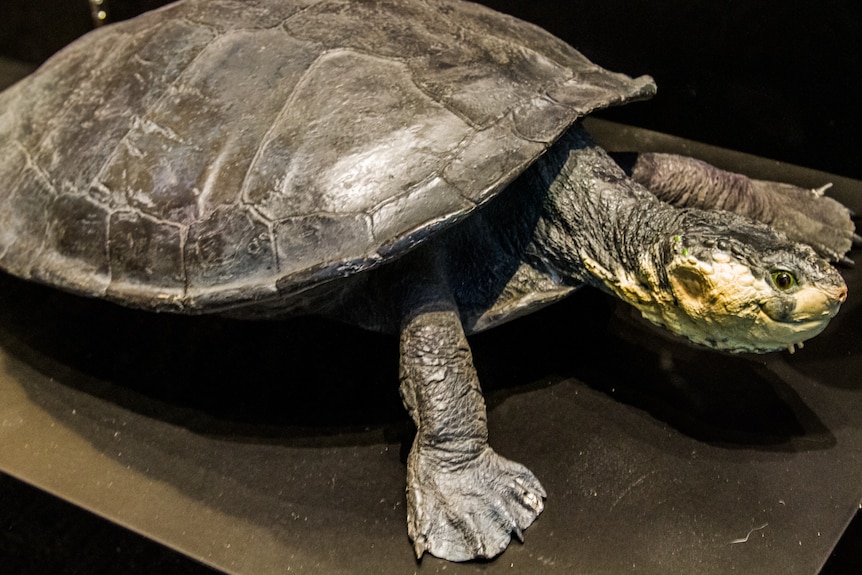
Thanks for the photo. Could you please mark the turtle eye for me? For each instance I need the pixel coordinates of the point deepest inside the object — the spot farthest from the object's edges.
(783, 280)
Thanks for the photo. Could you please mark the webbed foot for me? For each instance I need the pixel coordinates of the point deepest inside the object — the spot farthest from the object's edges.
(810, 217)
(471, 509)
(803, 215)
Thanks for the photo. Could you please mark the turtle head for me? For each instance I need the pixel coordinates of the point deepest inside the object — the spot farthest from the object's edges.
(736, 285)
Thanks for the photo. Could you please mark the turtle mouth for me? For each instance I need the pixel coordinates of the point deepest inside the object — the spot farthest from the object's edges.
(807, 306)
(795, 319)
(791, 334)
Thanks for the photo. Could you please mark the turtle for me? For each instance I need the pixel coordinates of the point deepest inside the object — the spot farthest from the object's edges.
(417, 167)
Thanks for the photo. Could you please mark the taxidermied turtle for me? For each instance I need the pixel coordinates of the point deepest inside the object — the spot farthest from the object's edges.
(413, 166)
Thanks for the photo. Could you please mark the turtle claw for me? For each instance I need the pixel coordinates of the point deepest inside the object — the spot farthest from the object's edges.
(821, 191)
(857, 241)
(813, 218)
(472, 510)
(847, 262)
(518, 532)
(420, 546)
(804, 215)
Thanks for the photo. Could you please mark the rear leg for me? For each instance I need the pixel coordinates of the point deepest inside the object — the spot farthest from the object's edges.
(803, 215)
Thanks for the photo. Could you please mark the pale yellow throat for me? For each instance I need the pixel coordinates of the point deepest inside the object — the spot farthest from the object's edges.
(723, 305)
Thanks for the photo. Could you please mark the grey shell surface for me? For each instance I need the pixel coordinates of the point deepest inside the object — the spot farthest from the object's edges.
(217, 153)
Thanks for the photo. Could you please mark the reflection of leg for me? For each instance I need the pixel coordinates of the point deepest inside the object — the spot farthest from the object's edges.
(463, 500)
(803, 215)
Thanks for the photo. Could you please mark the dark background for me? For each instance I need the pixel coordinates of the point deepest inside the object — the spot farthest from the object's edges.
(777, 79)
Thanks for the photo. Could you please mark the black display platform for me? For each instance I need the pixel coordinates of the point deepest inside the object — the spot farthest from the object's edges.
(278, 447)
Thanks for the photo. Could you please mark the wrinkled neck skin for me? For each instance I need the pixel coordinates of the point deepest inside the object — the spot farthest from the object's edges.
(575, 218)
(706, 275)
(600, 228)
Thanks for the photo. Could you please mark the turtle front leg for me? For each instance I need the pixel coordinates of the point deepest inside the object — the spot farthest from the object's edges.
(803, 215)
(463, 500)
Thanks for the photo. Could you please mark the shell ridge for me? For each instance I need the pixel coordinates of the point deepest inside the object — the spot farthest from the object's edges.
(33, 252)
(320, 213)
(120, 31)
(543, 90)
(430, 95)
(640, 88)
(41, 174)
(456, 150)
(113, 283)
(30, 162)
(137, 120)
(267, 136)
(297, 14)
(255, 212)
(465, 144)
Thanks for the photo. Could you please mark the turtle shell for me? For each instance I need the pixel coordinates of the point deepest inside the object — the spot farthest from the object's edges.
(218, 153)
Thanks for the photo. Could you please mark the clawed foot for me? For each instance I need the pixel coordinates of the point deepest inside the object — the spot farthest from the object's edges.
(810, 217)
(470, 510)
(804, 215)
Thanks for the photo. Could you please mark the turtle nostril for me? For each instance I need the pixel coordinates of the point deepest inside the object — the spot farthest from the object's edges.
(842, 294)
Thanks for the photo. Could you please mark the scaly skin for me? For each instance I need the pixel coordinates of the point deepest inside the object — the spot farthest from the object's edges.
(463, 500)
(709, 276)
(719, 279)
(803, 215)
